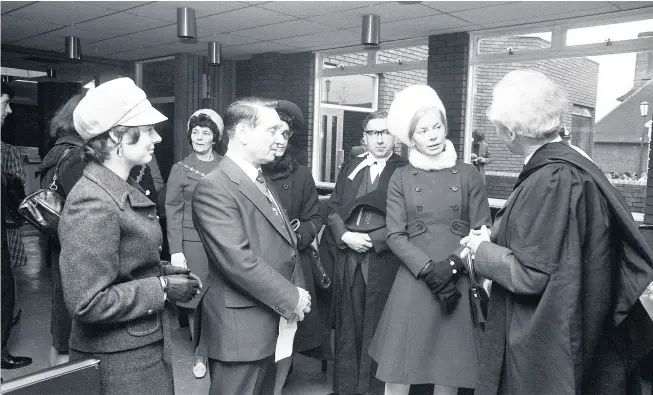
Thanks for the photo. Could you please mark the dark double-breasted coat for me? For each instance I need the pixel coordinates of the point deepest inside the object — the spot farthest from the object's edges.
(110, 244)
(350, 374)
(416, 343)
(298, 196)
(253, 271)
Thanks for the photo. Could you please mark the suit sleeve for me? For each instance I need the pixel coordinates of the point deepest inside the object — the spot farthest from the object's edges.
(479, 207)
(396, 221)
(90, 271)
(218, 220)
(335, 221)
(175, 209)
(311, 221)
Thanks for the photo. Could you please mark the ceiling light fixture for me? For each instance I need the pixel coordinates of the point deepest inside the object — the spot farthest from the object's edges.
(73, 48)
(215, 53)
(186, 26)
(371, 35)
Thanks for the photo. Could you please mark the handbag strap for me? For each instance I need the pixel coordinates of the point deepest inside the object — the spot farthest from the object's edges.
(472, 273)
(53, 184)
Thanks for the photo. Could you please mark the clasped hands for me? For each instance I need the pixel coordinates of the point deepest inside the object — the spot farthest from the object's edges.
(181, 285)
(303, 306)
(359, 242)
(475, 238)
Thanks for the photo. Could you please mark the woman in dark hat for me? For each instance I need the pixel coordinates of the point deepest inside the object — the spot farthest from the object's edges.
(296, 189)
(204, 131)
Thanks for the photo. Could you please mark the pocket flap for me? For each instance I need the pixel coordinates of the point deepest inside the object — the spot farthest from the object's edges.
(235, 299)
(416, 227)
(459, 227)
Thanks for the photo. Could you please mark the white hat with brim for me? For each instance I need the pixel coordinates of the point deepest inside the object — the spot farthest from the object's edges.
(116, 102)
(214, 116)
(404, 106)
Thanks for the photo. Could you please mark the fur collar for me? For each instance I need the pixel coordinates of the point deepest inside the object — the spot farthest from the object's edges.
(444, 160)
(281, 168)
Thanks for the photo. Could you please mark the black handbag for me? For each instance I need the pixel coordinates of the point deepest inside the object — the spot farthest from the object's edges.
(43, 208)
(478, 297)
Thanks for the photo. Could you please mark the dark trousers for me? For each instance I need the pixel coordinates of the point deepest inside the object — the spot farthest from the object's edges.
(358, 292)
(8, 292)
(242, 378)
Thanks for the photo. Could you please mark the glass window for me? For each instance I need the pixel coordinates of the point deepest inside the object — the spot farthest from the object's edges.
(612, 32)
(357, 91)
(515, 43)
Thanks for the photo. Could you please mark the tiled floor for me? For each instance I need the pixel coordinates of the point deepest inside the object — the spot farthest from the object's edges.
(31, 337)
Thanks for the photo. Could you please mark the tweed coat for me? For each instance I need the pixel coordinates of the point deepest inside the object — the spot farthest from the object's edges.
(296, 189)
(253, 275)
(110, 243)
(428, 212)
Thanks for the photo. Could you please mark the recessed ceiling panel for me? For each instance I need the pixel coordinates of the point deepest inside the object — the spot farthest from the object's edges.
(312, 8)
(116, 5)
(243, 18)
(122, 23)
(167, 10)
(14, 28)
(337, 37)
(297, 27)
(6, 6)
(62, 12)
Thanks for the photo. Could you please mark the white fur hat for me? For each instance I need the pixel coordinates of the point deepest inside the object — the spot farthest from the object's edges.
(214, 116)
(404, 106)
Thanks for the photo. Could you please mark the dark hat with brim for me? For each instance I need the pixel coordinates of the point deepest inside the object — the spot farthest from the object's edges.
(293, 110)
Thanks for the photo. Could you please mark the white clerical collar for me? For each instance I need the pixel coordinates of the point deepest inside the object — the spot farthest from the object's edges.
(248, 168)
(369, 161)
(558, 139)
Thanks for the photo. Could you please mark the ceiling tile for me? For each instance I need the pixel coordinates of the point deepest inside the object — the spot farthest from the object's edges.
(114, 45)
(255, 48)
(167, 10)
(62, 12)
(144, 53)
(627, 5)
(228, 40)
(390, 11)
(7, 6)
(453, 6)
(532, 10)
(117, 5)
(297, 27)
(343, 37)
(243, 18)
(419, 27)
(55, 40)
(14, 28)
(157, 35)
(122, 23)
(312, 8)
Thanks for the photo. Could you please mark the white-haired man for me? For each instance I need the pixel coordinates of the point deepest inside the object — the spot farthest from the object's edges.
(567, 261)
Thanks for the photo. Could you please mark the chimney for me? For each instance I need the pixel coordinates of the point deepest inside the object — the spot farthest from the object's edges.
(643, 65)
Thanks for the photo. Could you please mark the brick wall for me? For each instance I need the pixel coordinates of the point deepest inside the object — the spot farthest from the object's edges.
(617, 157)
(281, 76)
(448, 65)
(578, 76)
(499, 186)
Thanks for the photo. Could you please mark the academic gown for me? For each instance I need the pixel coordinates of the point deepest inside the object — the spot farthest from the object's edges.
(351, 375)
(568, 265)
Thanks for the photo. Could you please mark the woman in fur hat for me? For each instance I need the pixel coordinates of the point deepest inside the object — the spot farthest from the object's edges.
(426, 334)
(204, 131)
(296, 189)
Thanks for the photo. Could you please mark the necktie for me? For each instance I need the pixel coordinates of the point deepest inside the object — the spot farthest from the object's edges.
(263, 187)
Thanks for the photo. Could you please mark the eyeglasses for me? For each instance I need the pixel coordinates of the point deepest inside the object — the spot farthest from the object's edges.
(382, 133)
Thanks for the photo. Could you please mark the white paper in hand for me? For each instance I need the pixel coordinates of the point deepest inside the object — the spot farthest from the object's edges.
(285, 339)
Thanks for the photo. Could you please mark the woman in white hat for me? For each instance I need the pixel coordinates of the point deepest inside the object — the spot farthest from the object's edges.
(119, 293)
(204, 131)
(426, 334)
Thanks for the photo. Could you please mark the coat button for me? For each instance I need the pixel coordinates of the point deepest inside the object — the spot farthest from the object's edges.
(417, 189)
(456, 226)
(160, 248)
(414, 172)
(285, 186)
(455, 189)
(420, 226)
(419, 208)
(150, 311)
(455, 208)
(454, 170)
(151, 216)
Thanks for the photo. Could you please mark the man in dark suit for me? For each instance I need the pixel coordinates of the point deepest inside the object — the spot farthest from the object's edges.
(252, 287)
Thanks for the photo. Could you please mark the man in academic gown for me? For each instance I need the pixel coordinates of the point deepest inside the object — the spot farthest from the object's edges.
(365, 268)
(567, 261)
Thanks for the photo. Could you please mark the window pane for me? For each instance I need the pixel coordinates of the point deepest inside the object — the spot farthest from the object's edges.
(349, 90)
(521, 42)
(397, 55)
(614, 32)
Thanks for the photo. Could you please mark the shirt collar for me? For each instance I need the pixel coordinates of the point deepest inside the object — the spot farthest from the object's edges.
(555, 140)
(248, 168)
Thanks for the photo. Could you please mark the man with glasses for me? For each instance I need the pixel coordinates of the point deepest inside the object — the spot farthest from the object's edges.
(366, 268)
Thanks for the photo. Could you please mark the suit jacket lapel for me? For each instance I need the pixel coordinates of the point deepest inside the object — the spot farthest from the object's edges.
(284, 215)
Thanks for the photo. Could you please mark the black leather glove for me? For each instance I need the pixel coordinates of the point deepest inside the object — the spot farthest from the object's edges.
(181, 288)
(168, 269)
(440, 277)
